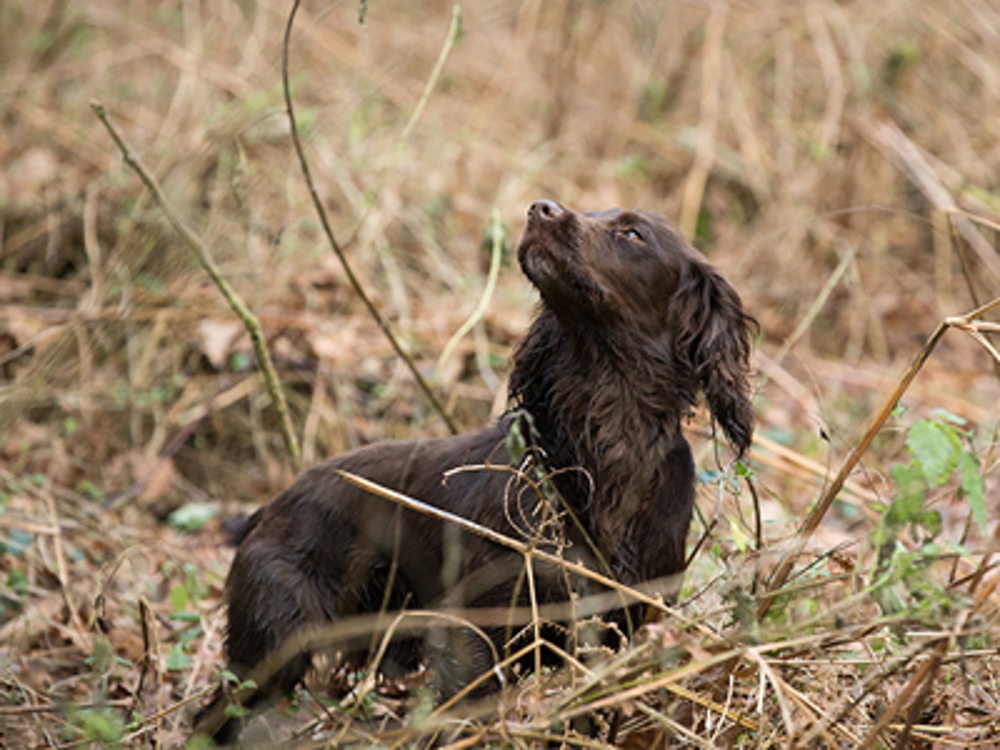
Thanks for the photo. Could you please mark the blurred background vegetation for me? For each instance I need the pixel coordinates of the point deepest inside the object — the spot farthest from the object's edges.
(823, 154)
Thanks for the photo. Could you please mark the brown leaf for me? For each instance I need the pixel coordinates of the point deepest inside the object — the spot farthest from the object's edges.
(217, 339)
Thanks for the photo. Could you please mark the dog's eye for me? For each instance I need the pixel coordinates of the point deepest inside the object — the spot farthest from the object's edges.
(633, 234)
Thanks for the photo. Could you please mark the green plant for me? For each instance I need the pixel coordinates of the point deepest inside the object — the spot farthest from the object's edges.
(939, 447)
(234, 685)
(188, 591)
(193, 516)
(100, 726)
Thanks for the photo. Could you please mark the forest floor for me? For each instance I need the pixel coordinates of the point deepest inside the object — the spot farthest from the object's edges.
(838, 162)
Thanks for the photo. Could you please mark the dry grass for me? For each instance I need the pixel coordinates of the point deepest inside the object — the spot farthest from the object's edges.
(838, 161)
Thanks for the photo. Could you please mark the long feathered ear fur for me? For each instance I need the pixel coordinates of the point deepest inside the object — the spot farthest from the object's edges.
(712, 338)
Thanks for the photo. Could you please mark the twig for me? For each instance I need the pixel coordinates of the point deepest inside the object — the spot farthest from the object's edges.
(328, 230)
(823, 505)
(923, 676)
(694, 187)
(236, 303)
(454, 31)
(817, 306)
(59, 707)
(830, 64)
(152, 721)
(529, 570)
(676, 727)
(894, 143)
(777, 685)
(497, 242)
(81, 636)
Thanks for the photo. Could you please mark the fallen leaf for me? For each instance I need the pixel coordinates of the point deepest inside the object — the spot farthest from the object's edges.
(217, 338)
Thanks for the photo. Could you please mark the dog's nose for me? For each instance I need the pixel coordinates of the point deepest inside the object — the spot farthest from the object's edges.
(544, 210)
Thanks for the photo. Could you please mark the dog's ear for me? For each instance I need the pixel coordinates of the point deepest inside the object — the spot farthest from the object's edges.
(712, 340)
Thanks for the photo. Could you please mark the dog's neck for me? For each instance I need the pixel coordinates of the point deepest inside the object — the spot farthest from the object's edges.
(612, 408)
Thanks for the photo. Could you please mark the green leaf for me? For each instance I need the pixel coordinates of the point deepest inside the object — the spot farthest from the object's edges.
(241, 361)
(102, 656)
(17, 580)
(230, 677)
(516, 443)
(91, 490)
(188, 636)
(943, 415)
(972, 488)
(740, 539)
(905, 508)
(179, 598)
(193, 516)
(936, 449)
(102, 726)
(908, 499)
(880, 535)
(235, 711)
(17, 542)
(177, 660)
(930, 520)
(185, 616)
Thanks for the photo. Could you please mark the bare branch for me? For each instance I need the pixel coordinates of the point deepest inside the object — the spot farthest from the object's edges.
(194, 242)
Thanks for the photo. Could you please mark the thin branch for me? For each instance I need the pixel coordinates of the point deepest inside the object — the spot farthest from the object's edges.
(817, 306)
(328, 230)
(454, 31)
(908, 157)
(924, 676)
(497, 241)
(452, 38)
(236, 303)
(823, 504)
(711, 94)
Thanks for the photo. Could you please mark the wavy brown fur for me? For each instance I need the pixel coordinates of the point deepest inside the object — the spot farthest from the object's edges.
(633, 323)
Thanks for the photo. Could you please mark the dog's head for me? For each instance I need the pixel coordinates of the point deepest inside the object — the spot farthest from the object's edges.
(618, 275)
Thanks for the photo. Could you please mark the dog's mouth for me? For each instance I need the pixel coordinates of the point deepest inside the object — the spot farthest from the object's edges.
(549, 254)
